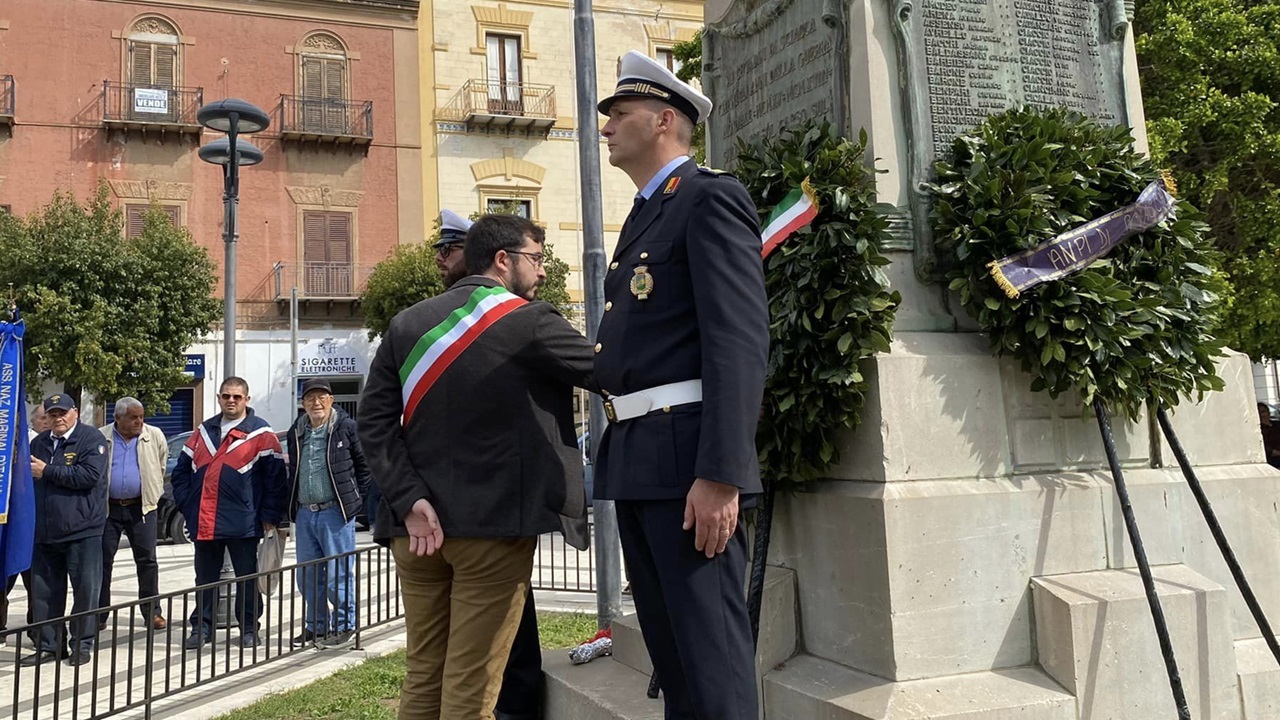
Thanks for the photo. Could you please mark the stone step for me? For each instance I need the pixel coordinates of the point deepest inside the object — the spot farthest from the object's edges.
(628, 645)
(1095, 638)
(1259, 679)
(603, 689)
(808, 688)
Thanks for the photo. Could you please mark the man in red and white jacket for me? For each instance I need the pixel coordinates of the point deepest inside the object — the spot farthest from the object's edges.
(230, 485)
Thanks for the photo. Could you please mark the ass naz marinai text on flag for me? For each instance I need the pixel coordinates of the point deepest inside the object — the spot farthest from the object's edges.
(796, 210)
(17, 490)
(436, 350)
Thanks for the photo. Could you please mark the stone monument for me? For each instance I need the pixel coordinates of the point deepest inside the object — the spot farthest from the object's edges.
(967, 558)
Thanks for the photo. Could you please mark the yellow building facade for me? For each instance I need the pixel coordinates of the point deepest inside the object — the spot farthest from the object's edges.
(499, 107)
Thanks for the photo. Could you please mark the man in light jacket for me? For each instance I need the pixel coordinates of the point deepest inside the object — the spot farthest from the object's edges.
(136, 458)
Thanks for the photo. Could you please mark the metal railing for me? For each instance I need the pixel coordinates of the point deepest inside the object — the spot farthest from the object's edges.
(506, 99)
(132, 668)
(6, 96)
(148, 104)
(321, 280)
(326, 117)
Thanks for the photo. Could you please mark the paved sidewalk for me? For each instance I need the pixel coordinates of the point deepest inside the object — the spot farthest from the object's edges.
(118, 676)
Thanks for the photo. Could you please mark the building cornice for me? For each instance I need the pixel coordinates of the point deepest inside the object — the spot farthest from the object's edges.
(384, 13)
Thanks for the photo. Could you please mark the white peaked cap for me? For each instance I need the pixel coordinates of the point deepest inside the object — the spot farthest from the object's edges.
(642, 76)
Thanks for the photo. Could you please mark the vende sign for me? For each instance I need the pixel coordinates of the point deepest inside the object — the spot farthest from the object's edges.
(331, 357)
(151, 100)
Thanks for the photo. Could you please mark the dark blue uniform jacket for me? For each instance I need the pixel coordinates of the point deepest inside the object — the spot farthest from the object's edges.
(706, 316)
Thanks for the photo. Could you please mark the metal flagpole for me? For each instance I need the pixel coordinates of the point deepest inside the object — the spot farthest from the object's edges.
(607, 548)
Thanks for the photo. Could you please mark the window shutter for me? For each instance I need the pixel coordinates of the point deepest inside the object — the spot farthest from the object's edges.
(312, 77)
(135, 220)
(340, 284)
(175, 215)
(140, 56)
(166, 65)
(339, 238)
(335, 81)
(314, 236)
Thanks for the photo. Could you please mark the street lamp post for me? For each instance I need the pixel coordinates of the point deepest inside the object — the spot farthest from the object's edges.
(233, 117)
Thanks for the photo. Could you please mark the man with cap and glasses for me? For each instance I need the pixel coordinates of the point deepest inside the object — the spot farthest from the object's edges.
(68, 462)
(453, 232)
(681, 359)
(328, 477)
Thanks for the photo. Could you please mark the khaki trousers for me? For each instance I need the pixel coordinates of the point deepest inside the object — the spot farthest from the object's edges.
(462, 609)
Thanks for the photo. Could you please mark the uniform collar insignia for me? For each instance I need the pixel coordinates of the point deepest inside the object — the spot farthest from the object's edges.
(672, 184)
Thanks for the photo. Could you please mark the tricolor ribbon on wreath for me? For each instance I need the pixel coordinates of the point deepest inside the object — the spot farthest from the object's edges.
(796, 210)
(1076, 249)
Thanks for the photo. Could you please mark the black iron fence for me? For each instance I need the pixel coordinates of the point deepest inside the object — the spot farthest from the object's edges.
(326, 117)
(149, 105)
(132, 665)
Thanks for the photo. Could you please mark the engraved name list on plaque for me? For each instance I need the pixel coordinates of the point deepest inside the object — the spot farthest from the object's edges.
(964, 60)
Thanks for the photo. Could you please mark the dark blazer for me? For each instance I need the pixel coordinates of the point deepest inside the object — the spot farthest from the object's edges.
(348, 471)
(491, 445)
(706, 316)
(71, 498)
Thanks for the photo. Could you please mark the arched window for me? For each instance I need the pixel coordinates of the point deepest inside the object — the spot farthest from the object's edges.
(323, 84)
(154, 54)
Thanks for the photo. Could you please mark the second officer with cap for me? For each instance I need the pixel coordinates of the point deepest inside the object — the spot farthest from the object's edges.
(453, 233)
(681, 358)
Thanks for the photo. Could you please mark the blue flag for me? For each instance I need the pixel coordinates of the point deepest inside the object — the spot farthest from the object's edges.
(17, 491)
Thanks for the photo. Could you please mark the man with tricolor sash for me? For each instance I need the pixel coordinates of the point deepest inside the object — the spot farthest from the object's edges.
(681, 360)
(467, 422)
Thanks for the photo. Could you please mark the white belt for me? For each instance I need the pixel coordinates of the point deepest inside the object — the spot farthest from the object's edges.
(633, 405)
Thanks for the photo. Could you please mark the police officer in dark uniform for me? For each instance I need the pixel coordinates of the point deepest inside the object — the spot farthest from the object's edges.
(681, 359)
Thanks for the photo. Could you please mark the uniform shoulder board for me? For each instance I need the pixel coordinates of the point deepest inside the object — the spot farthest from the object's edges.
(715, 172)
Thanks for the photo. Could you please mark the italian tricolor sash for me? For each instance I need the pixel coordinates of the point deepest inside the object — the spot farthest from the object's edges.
(436, 350)
(796, 210)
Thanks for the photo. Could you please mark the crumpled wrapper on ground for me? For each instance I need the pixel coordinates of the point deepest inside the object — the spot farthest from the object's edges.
(598, 646)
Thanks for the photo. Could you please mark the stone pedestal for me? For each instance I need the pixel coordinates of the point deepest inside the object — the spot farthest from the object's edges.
(966, 558)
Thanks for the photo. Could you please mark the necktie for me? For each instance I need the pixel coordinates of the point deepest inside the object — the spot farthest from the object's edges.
(57, 443)
(635, 212)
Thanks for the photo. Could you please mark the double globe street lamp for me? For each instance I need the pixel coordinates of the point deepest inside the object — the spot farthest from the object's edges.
(233, 117)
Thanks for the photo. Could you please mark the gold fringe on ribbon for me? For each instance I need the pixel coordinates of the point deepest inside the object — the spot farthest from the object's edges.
(810, 193)
(1170, 185)
(1003, 281)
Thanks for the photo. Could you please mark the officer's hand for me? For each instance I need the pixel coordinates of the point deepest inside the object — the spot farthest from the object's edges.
(425, 535)
(711, 508)
(37, 467)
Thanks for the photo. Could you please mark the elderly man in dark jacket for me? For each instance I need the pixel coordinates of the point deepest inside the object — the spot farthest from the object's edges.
(68, 462)
(328, 477)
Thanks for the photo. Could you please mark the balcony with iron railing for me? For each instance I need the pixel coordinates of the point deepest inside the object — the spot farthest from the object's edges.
(326, 120)
(147, 107)
(494, 105)
(321, 281)
(6, 99)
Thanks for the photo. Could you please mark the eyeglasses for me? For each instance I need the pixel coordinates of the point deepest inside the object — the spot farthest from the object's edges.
(229, 396)
(445, 250)
(316, 398)
(535, 258)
